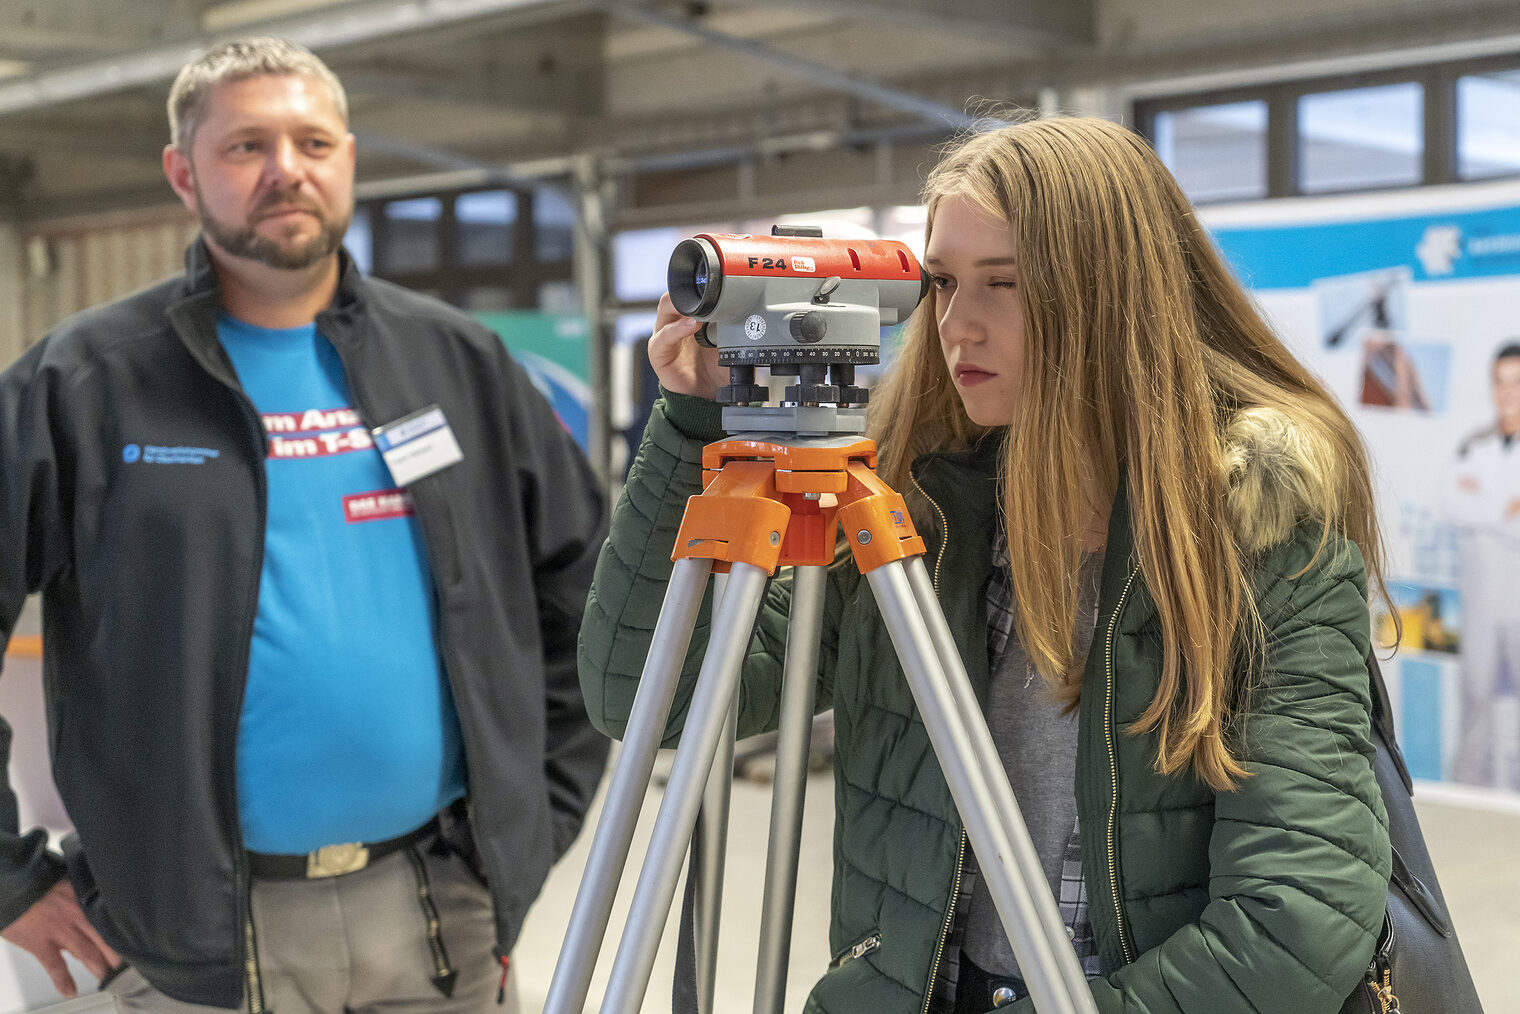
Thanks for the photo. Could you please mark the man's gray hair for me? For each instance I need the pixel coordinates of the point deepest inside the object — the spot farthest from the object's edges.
(239, 60)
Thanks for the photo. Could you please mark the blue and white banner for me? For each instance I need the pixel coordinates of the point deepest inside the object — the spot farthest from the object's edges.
(1407, 304)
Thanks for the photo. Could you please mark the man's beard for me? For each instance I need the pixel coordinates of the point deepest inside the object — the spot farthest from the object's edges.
(244, 241)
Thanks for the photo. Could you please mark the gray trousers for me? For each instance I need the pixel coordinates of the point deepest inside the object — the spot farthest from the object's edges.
(359, 943)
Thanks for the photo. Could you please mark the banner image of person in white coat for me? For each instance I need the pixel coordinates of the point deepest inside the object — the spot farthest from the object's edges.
(1485, 506)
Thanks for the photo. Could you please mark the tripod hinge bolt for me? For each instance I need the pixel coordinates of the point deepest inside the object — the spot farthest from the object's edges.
(863, 537)
(775, 538)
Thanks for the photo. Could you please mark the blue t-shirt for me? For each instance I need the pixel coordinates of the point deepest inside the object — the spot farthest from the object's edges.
(348, 730)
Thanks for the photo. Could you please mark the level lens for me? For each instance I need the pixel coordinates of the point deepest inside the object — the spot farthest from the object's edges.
(695, 277)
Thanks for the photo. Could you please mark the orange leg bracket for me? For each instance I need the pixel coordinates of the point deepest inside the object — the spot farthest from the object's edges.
(876, 522)
(775, 505)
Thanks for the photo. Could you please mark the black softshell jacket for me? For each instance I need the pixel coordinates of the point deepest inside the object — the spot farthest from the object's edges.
(149, 568)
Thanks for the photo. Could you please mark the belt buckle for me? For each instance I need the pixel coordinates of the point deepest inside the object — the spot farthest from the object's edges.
(336, 860)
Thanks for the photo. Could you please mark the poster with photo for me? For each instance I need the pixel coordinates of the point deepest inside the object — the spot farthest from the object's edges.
(1407, 304)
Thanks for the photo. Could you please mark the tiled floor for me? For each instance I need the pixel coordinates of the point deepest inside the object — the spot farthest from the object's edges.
(1477, 853)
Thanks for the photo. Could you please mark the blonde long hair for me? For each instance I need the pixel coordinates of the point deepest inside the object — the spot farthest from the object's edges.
(1141, 350)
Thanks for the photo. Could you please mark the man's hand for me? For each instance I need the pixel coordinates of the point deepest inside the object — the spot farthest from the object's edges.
(54, 924)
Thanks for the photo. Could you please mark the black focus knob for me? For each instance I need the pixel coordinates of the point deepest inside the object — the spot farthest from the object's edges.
(810, 327)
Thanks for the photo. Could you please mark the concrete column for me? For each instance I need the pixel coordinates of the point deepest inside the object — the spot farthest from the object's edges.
(593, 244)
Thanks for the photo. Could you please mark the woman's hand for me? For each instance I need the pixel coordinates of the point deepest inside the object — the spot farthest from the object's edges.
(682, 365)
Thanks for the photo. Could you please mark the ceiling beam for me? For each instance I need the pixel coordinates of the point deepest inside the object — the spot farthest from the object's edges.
(1030, 22)
(56, 30)
(818, 73)
(426, 154)
(31, 40)
(340, 25)
(119, 140)
(553, 69)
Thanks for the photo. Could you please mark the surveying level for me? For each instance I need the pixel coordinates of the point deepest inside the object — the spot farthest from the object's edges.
(775, 494)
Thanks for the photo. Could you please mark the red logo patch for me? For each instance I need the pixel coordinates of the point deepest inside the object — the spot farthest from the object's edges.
(377, 506)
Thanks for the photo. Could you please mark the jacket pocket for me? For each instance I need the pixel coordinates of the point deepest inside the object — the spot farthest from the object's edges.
(859, 949)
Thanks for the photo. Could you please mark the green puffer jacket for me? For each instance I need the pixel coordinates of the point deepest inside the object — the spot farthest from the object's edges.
(1267, 898)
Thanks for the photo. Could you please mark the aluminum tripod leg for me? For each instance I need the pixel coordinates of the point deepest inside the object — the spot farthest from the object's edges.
(708, 713)
(1017, 891)
(625, 792)
(707, 862)
(985, 752)
(798, 688)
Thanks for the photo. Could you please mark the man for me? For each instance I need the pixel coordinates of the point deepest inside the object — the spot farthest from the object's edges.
(1485, 505)
(313, 554)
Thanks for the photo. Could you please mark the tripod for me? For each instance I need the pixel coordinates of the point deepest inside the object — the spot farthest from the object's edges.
(769, 503)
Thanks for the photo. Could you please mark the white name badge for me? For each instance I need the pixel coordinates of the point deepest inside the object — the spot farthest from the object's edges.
(417, 445)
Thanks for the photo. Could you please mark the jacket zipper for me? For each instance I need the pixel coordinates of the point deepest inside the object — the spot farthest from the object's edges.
(860, 950)
(944, 930)
(944, 524)
(253, 980)
(251, 967)
(960, 852)
(1113, 771)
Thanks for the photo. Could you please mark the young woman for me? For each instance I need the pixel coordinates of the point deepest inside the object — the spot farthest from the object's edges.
(1147, 525)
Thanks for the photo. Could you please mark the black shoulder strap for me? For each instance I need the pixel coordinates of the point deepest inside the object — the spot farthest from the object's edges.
(1382, 719)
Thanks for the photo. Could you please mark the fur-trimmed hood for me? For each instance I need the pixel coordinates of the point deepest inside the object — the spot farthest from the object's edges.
(1277, 472)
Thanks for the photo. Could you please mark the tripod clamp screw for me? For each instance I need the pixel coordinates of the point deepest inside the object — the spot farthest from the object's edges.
(775, 538)
(863, 537)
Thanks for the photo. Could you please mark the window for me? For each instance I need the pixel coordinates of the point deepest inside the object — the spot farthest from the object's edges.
(1217, 152)
(411, 236)
(360, 242)
(485, 226)
(554, 225)
(640, 258)
(1488, 125)
(481, 250)
(1361, 137)
(1434, 123)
